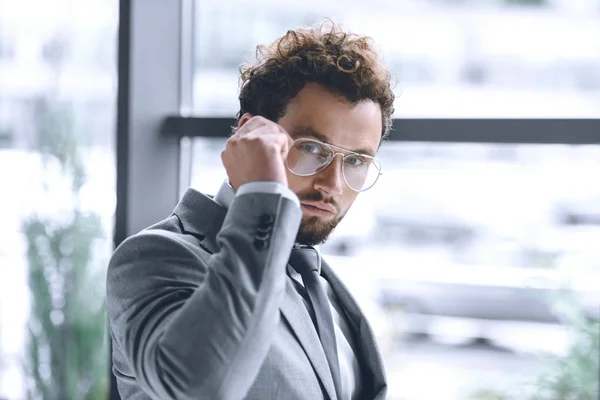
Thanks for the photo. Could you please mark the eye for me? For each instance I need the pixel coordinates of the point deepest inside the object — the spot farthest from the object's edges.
(355, 161)
(312, 148)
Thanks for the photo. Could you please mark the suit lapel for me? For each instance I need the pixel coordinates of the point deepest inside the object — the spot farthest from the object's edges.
(206, 224)
(365, 339)
(296, 314)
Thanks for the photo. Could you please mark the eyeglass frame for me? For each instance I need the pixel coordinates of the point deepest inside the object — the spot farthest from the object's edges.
(332, 147)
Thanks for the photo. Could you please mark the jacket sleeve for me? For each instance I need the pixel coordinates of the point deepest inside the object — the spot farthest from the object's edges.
(195, 327)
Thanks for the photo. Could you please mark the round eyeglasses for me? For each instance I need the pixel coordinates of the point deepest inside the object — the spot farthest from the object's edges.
(308, 156)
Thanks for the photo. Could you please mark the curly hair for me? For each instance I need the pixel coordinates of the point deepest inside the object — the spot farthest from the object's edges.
(343, 63)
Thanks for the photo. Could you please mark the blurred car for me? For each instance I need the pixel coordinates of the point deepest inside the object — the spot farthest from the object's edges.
(580, 212)
(463, 236)
(491, 279)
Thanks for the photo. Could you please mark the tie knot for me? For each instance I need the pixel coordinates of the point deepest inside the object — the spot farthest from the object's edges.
(305, 259)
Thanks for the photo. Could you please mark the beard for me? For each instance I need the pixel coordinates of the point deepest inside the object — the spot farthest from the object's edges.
(314, 230)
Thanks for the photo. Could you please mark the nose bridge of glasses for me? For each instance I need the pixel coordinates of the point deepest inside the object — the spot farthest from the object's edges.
(336, 171)
(332, 159)
(335, 153)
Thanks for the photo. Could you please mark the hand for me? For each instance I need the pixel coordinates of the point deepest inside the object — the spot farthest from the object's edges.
(257, 152)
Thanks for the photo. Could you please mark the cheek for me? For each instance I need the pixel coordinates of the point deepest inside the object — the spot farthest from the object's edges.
(305, 184)
(347, 200)
(298, 184)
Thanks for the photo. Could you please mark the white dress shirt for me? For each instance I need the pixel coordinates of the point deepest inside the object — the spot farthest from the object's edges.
(349, 366)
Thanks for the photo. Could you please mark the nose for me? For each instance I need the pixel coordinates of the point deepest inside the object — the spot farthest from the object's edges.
(330, 180)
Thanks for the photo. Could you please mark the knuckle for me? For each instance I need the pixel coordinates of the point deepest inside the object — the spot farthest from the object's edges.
(248, 139)
(232, 140)
(241, 138)
(273, 148)
(258, 120)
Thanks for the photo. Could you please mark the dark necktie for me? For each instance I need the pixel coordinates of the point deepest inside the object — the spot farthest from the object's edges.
(306, 261)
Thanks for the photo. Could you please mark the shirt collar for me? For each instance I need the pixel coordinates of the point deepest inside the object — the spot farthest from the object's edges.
(225, 195)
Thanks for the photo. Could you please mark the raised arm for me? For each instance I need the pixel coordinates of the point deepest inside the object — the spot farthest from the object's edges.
(194, 326)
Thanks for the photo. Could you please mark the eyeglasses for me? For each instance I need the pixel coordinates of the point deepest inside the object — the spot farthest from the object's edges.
(308, 156)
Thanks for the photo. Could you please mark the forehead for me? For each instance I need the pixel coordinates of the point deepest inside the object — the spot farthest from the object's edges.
(318, 113)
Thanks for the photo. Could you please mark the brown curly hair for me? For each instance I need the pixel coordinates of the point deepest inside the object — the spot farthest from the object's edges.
(345, 64)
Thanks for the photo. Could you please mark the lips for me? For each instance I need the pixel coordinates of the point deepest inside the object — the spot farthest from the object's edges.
(328, 208)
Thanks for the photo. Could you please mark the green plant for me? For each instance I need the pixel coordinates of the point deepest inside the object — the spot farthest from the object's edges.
(491, 394)
(572, 376)
(66, 355)
(575, 375)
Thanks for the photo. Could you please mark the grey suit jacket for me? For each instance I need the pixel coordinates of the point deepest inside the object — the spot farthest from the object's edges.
(200, 307)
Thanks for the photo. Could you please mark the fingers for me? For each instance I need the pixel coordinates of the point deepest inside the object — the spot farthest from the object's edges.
(262, 130)
(257, 122)
(252, 124)
(256, 152)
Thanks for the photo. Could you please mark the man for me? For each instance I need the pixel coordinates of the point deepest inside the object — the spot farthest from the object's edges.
(227, 298)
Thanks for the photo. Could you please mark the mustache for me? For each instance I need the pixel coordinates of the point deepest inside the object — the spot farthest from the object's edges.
(318, 196)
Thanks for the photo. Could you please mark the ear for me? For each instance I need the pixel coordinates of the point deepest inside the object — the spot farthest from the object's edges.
(245, 118)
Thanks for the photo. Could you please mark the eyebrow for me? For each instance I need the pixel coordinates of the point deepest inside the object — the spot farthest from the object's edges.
(307, 131)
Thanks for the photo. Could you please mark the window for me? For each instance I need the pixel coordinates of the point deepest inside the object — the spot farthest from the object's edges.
(7, 48)
(464, 242)
(475, 250)
(6, 135)
(452, 59)
(57, 175)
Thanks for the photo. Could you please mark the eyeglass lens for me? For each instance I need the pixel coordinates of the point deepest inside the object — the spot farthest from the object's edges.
(307, 157)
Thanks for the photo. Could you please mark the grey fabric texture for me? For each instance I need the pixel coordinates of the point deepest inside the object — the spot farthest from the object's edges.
(200, 307)
(307, 262)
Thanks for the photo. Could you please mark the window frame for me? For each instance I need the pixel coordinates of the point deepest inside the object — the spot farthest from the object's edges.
(442, 130)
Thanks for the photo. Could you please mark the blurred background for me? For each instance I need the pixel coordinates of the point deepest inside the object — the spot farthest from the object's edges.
(477, 264)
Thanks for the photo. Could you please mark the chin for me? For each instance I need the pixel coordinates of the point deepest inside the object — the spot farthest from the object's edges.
(314, 231)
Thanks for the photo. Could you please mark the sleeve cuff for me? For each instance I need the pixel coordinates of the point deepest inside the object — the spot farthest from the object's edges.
(268, 187)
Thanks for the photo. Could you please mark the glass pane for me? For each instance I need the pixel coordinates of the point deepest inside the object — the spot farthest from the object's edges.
(57, 180)
(456, 59)
(482, 258)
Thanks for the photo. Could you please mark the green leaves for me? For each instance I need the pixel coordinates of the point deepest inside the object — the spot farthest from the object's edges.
(573, 376)
(67, 352)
